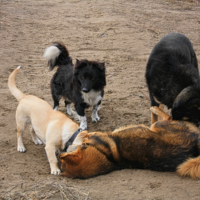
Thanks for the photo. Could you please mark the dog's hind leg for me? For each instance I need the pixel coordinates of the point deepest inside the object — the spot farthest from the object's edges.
(94, 115)
(71, 112)
(35, 139)
(21, 121)
(69, 108)
(56, 92)
(157, 111)
(56, 100)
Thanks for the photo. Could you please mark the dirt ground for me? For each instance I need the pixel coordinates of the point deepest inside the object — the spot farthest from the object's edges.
(119, 33)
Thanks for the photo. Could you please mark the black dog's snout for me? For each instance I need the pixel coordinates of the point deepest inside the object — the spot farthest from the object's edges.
(85, 90)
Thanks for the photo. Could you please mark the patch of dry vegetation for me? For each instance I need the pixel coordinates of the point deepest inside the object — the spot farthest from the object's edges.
(53, 190)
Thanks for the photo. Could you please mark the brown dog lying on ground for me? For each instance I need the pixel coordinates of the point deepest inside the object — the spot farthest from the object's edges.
(166, 146)
(50, 127)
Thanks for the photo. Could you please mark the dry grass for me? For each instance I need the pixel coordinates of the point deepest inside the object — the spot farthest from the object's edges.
(49, 191)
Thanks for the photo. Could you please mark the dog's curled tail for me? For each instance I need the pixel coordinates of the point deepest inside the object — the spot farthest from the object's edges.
(57, 54)
(12, 86)
(190, 167)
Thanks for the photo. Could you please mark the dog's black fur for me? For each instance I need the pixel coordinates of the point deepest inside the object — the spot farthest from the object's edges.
(74, 83)
(172, 76)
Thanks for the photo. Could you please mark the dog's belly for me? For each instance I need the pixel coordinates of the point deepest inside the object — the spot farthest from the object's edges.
(92, 98)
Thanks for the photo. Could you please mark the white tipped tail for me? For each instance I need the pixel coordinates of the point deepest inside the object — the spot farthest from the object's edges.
(51, 53)
(12, 86)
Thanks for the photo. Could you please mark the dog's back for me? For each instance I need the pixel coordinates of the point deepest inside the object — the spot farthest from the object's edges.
(172, 66)
(172, 77)
(178, 45)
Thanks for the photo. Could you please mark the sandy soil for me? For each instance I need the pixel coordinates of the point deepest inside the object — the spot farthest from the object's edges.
(119, 33)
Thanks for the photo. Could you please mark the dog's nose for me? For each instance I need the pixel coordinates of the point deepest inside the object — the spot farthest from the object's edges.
(85, 90)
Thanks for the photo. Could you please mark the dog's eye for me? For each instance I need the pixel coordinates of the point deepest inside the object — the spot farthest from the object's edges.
(85, 144)
(83, 77)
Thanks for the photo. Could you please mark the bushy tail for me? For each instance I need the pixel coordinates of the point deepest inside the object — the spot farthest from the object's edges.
(191, 168)
(57, 54)
(12, 86)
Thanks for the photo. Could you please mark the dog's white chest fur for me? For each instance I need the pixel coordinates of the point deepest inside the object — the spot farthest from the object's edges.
(92, 98)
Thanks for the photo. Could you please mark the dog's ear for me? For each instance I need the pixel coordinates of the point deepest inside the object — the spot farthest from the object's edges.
(73, 158)
(183, 97)
(83, 134)
(78, 61)
(101, 66)
(186, 103)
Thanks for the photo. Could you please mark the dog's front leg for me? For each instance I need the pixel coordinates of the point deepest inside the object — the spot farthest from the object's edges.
(83, 125)
(94, 115)
(80, 108)
(51, 155)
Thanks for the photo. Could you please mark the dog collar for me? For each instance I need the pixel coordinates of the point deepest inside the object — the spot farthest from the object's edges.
(71, 140)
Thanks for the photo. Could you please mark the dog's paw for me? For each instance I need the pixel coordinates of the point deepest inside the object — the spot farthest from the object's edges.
(55, 171)
(37, 141)
(76, 117)
(154, 109)
(56, 108)
(95, 119)
(83, 128)
(21, 149)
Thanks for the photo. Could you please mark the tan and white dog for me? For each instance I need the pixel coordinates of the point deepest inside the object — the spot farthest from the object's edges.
(48, 126)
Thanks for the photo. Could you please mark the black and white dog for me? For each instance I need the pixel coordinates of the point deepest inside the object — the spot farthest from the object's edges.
(82, 84)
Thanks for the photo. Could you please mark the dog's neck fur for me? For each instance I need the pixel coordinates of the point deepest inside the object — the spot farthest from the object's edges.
(66, 135)
(92, 98)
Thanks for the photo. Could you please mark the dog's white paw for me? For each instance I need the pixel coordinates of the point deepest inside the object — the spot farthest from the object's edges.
(56, 108)
(95, 119)
(83, 125)
(55, 171)
(21, 149)
(76, 117)
(37, 141)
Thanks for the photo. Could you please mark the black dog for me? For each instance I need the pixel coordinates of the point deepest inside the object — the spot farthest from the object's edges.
(82, 84)
(173, 78)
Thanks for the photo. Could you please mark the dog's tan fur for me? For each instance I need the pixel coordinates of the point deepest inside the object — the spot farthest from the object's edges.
(50, 127)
